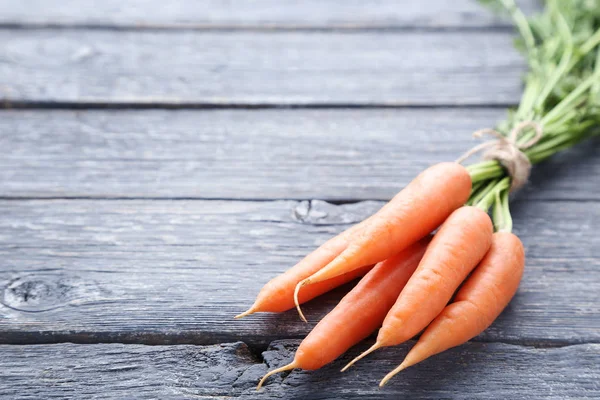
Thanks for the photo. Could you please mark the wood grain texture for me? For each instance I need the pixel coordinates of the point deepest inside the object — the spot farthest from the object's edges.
(474, 371)
(175, 272)
(260, 154)
(263, 14)
(162, 272)
(119, 371)
(258, 68)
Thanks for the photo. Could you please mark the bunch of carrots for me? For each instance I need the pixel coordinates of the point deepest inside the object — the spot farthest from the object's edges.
(435, 242)
(413, 277)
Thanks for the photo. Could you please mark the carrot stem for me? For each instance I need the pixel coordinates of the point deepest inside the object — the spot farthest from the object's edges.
(486, 202)
(476, 187)
(502, 217)
(497, 214)
(485, 170)
(485, 189)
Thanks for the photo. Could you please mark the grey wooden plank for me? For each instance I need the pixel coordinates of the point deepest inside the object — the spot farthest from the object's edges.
(178, 271)
(121, 371)
(190, 67)
(474, 371)
(258, 154)
(258, 14)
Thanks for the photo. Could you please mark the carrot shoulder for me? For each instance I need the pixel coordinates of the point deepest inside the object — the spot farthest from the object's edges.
(477, 304)
(411, 215)
(455, 250)
(359, 313)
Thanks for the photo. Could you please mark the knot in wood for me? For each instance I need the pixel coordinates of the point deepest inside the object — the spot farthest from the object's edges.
(46, 292)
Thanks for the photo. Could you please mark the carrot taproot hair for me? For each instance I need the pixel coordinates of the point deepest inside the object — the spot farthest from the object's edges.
(411, 215)
(476, 305)
(457, 248)
(358, 314)
(277, 295)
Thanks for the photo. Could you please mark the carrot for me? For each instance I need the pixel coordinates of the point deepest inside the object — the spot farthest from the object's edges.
(278, 294)
(412, 214)
(358, 314)
(455, 250)
(476, 305)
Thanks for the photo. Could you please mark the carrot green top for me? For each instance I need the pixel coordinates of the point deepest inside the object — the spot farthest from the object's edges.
(560, 105)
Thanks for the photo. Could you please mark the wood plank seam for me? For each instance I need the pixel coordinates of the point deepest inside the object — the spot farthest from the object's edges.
(20, 338)
(268, 27)
(9, 104)
(336, 202)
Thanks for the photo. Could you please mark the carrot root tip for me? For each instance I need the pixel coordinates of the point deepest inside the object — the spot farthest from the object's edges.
(296, 301)
(288, 367)
(392, 373)
(245, 313)
(364, 354)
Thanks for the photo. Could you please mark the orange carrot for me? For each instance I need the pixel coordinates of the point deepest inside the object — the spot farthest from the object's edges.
(412, 214)
(457, 248)
(476, 305)
(358, 314)
(278, 294)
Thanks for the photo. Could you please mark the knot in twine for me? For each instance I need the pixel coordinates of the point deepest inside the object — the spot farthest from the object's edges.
(508, 152)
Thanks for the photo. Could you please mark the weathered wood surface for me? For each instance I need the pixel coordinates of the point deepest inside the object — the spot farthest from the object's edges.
(474, 371)
(178, 271)
(259, 154)
(265, 14)
(160, 269)
(258, 68)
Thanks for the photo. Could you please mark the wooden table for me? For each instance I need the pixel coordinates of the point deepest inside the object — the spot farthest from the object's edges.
(162, 160)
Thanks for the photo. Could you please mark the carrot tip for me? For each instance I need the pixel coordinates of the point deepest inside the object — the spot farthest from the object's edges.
(296, 301)
(391, 374)
(245, 313)
(288, 367)
(364, 354)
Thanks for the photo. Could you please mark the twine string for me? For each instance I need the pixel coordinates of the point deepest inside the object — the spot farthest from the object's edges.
(507, 151)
